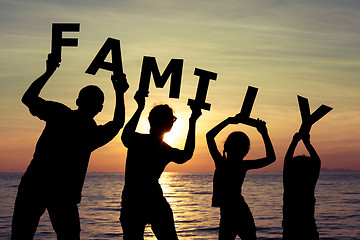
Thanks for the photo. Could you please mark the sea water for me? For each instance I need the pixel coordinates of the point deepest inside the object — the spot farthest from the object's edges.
(189, 194)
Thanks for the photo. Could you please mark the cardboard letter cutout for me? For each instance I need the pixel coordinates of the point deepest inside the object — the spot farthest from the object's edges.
(115, 66)
(247, 105)
(204, 80)
(307, 118)
(58, 41)
(174, 68)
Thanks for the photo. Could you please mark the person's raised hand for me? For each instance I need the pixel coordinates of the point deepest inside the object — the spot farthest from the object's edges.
(297, 137)
(52, 63)
(196, 113)
(140, 98)
(120, 83)
(305, 136)
(261, 126)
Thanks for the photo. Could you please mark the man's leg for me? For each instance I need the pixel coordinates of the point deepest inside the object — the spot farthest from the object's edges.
(162, 222)
(27, 212)
(65, 220)
(133, 223)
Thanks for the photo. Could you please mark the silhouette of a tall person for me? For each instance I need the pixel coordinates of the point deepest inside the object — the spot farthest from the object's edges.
(300, 175)
(142, 198)
(236, 218)
(55, 176)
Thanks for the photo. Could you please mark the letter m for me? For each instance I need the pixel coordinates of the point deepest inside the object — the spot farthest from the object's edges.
(174, 68)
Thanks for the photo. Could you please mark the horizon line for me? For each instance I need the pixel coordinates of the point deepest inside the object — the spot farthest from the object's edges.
(322, 170)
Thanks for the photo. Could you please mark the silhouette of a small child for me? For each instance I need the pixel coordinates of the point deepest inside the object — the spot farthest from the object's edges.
(300, 175)
(142, 197)
(236, 217)
(54, 179)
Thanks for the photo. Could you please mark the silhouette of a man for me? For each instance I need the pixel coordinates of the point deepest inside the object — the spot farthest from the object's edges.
(56, 174)
(142, 198)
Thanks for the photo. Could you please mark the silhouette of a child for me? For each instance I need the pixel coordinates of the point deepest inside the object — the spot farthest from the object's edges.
(236, 218)
(142, 198)
(56, 174)
(300, 175)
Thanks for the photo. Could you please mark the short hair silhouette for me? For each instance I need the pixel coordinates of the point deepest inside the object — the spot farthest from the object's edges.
(161, 116)
(299, 166)
(237, 141)
(301, 162)
(90, 99)
(92, 93)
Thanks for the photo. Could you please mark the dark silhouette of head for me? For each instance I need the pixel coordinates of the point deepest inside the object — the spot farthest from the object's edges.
(90, 100)
(161, 119)
(237, 145)
(302, 165)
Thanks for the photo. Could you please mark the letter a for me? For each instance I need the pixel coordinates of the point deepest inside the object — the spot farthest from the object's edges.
(115, 66)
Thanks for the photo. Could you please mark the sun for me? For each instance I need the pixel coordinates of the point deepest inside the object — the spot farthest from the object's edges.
(173, 138)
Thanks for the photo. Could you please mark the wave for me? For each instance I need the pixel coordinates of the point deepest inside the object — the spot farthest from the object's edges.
(106, 209)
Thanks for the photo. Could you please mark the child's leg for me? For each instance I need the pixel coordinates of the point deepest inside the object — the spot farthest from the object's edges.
(246, 227)
(227, 230)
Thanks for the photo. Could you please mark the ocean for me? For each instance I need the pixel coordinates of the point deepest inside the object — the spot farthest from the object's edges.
(189, 194)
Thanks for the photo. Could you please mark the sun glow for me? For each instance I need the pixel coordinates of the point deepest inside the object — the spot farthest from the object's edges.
(173, 138)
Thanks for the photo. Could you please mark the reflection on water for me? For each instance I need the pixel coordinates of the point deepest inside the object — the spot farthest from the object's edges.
(189, 194)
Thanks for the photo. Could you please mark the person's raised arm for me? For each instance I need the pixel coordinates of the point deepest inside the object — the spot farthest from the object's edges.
(210, 139)
(269, 149)
(32, 93)
(111, 128)
(290, 152)
(189, 148)
(130, 127)
(304, 134)
(289, 155)
(309, 147)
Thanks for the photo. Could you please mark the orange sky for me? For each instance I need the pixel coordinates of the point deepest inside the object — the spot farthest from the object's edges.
(304, 48)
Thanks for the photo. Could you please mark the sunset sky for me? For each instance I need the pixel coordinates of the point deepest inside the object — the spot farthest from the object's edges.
(284, 48)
